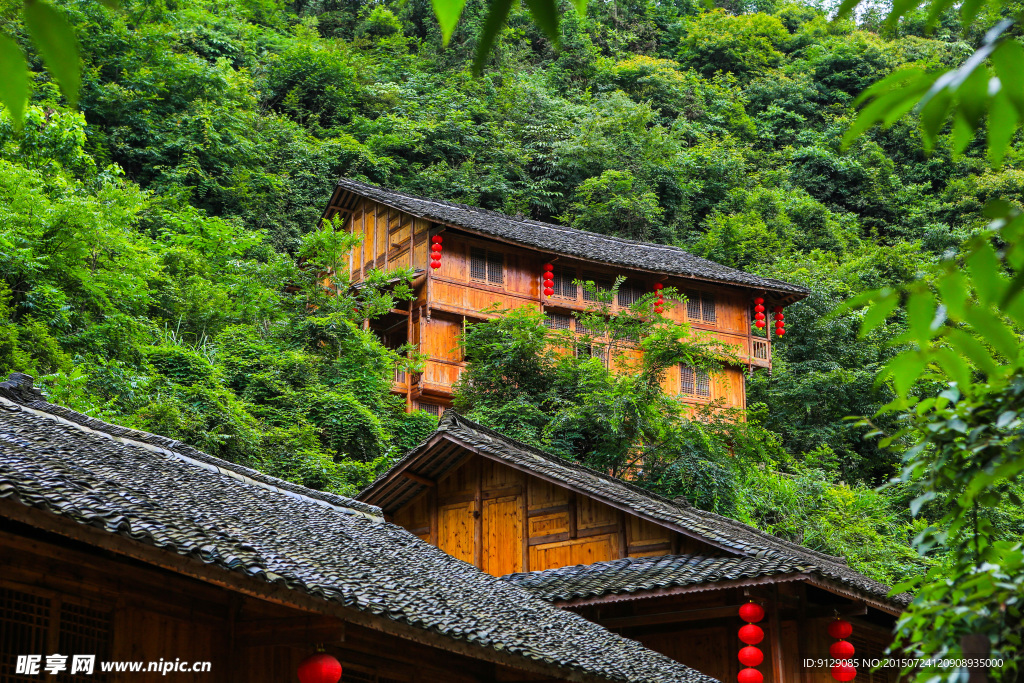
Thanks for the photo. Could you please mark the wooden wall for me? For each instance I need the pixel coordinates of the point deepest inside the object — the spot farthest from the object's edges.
(504, 521)
(59, 596)
(450, 296)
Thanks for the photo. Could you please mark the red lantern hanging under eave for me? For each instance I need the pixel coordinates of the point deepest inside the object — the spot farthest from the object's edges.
(749, 676)
(841, 649)
(840, 629)
(844, 671)
(751, 634)
(319, 668)
(751, 612)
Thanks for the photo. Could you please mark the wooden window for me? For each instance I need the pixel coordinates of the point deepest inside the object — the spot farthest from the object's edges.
(33, 624)
(495, 267)
(629, 293)
(694, 382)
(700, 307)
(564, 284)
(478, 264)
(557, 321)
(487, 266)
(602, 283)
(592, 351)
(432, 409)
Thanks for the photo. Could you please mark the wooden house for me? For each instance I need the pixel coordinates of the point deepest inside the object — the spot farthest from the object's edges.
(657, 570)
(490, 259)
(137, 550)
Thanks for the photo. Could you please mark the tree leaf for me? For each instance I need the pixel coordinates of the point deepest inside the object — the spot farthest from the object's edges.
(448, 13)
(920, 314)
(877, 313)
(966, 345)
(1002, 124)
(904, 370)
(57, 44)
(953, 365)
(1008, 60)
(14, 83)
(995, 332)
(953, 292)
(986, 273)
(497, 15)
(969, 11)
(545, 15)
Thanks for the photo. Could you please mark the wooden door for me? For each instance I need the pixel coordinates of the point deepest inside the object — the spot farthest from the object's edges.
(503, 536)
(455, 530)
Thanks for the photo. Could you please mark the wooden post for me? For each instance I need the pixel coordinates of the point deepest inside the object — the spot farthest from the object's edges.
(803, 636)
(387, 237)
(408, 372)
(478, 518)
(775, 633)
(525, 524)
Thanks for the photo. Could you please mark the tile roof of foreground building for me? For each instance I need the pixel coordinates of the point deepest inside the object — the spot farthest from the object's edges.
(162, 493)
(729, 535)
(571, 242)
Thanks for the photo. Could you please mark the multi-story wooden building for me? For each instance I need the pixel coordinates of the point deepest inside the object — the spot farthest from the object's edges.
(490, 259)
(656, 570)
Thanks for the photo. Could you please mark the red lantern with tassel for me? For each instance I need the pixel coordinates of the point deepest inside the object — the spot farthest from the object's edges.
(751, 656)
(844, 671)
(319, 668)
(841, 649)
(749, 676)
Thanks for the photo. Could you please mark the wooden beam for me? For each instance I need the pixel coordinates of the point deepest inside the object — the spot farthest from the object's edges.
(775, 638)
(418, 478)
(306, 631)
(671, 617)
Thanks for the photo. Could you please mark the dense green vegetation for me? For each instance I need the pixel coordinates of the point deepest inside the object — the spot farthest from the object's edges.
(150, 244)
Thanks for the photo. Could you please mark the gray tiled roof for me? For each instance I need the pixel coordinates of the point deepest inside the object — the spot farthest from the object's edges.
(558, 239)
(638, 574)
(727, 534)
(162, 493)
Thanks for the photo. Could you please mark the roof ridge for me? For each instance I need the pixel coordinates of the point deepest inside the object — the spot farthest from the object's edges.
(529, 222)
(19, 389)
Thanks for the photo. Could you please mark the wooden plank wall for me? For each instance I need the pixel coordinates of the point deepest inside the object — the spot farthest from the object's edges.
(504, 521)
(155, 614)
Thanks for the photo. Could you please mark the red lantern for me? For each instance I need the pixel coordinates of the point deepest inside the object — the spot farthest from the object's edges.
(840, 629)
(658, 286)
(758, 300)
(751, 656)
(777, 309)
(436, 239)
(548, 291)
(780, 316)
(759, 308)
(780, 332)
(319, 668)
(759, 323)
(436, 248)
(759, 316)
(751, 634)
(749, 676)
(548, 266)
(844, 671)
(549, 277)
(435, 264)
(751, 612)
(658, 309)
(841, 649)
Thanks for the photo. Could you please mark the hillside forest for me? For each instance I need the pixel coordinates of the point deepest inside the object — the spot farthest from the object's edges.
(159, 247)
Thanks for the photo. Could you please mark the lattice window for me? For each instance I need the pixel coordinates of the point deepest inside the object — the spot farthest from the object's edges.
(83, 631)
(629, 294)
(487, 266)
(27, 623)
(431, 408)
(564, 283)
(700, 306)
(694, 382)
(602, 283)
(557, 321)
(24, 622)
(592, 351)
(478, 264)
(495, 267)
